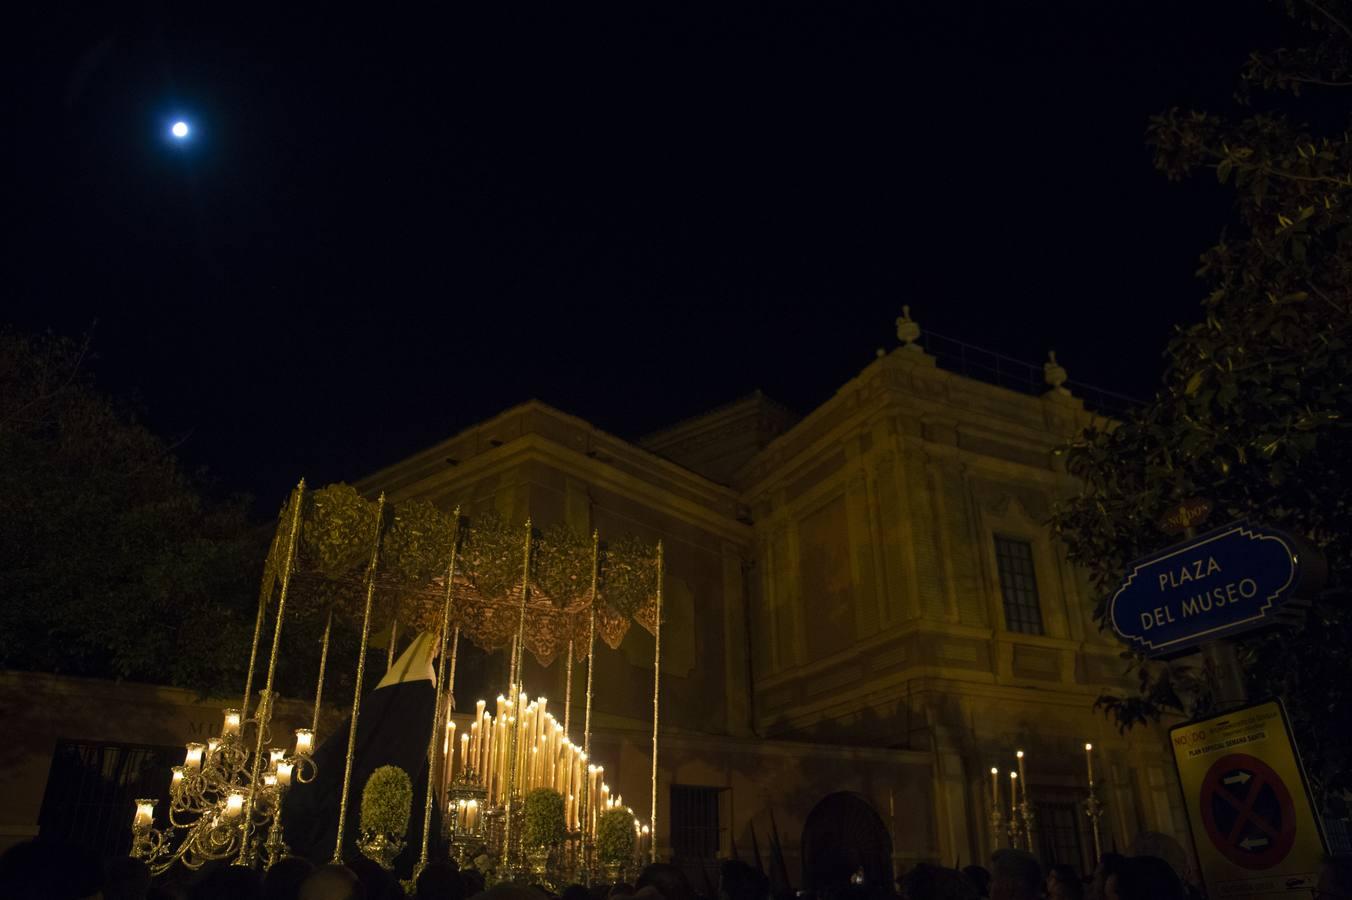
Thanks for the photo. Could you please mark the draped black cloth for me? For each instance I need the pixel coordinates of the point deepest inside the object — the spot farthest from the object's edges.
(393, 730)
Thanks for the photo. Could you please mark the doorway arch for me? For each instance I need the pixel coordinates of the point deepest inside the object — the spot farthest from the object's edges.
(842, 834)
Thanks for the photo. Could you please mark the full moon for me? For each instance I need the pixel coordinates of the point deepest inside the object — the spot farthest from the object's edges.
(180, 129)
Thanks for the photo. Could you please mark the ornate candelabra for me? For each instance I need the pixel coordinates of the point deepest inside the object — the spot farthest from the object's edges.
(1025, 808)
(216, 808)
(996, 820)
(1092, 807)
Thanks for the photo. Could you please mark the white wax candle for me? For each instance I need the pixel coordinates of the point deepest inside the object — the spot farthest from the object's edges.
(1089, 761)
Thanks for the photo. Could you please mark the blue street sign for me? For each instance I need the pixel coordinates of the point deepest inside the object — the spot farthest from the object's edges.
(1234, 579)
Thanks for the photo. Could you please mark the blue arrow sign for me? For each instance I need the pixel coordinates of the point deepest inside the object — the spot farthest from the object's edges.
(1230, 580)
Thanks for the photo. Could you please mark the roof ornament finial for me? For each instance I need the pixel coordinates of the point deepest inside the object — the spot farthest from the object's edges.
(908, 331)
(1054, 374)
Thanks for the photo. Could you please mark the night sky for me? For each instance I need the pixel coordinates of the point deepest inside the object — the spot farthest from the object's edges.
(386, 228)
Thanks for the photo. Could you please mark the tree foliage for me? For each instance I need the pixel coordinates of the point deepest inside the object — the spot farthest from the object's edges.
(112, 563)
(1253, 413)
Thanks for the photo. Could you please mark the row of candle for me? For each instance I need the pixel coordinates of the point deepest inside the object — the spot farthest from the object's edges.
(1015, 778)
(545, 757)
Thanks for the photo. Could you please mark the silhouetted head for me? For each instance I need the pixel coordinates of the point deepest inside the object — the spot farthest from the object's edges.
(439, 881)
(1063, 883)
(372, 876)
(667, 880)
(1144, 878)
(283, 880)
(1015, 875)
(979, 877)
(332, 883)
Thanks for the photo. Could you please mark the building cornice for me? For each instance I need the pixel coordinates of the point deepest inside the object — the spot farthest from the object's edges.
(686, 497)
(907, 384)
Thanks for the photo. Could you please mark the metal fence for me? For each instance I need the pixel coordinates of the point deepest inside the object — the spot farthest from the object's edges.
(1013, 374)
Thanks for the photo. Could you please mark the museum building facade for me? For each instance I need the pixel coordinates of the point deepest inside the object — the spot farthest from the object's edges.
(865, 612)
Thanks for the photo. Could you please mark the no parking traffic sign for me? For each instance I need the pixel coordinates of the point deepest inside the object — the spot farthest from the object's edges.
(1252, 820)
(1248, 812)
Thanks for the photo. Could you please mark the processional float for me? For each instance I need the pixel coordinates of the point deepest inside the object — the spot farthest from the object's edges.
(516, 792)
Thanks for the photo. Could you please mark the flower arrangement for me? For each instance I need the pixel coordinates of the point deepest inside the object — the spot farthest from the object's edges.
(386, 802)
(544, 818)
(615, 836)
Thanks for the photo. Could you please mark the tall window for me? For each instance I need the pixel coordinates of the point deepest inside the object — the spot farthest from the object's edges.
(694, 822)
(1018, 584)
(1060, 843)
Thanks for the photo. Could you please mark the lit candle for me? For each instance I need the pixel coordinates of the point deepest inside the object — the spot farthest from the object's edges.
(194, 758)
(234, 805)
(284, 774)
(471, 814)
(1089, 762)
(231, 724)
(304, 741)
(1013, 795)
(275, 755)
(464, 753)
(995, 788)
(485, 763)
(176, 780)
(450, 739)
(1023, 779)
(145, 812)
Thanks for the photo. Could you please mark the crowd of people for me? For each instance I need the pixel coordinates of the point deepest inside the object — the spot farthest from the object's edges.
(44, 869)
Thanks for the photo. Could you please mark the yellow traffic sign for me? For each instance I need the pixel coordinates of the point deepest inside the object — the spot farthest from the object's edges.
(1253, 823)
